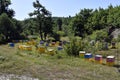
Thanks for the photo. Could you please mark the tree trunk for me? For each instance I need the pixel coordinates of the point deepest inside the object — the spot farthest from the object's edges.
(41, 36)
(60, 28)
(45, 35)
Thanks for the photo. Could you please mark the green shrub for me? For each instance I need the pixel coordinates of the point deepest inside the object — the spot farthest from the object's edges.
(74, 47)
(118, 39)
(99, 35)
(61, 33)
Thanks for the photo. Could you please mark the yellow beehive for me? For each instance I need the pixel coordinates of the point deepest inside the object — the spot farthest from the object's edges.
(21, 47)
(51, 51)
(41, 49)
(32, 42)
(29, 43)
(57, 43)
(24, 47)
(81, 54)
(28, 48)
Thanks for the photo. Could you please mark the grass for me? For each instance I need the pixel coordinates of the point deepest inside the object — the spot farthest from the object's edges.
(57, 67)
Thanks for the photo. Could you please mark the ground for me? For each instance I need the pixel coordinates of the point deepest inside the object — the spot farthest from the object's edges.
(57, 67)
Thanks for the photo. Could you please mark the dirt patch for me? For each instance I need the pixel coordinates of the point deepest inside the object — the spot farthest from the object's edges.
(15, 77)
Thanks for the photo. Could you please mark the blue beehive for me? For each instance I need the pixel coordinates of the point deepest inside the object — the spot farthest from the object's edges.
(41, 42)
(60, 47)
(88, 56)
(47, 44)
(11, 44)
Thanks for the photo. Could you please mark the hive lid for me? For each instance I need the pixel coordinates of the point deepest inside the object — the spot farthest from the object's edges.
(22, 45)
(88, 54)
(41, 46)
(98, 55)
(50, 49)
(10, 43)
(60, 46)
(110, 56)
(26, 46)
(81, 51)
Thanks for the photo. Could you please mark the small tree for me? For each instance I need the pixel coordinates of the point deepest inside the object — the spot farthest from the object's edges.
(41, 15)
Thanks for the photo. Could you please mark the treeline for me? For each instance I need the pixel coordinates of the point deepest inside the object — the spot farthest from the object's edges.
(10, 28)
(88, 22)
(98, 23)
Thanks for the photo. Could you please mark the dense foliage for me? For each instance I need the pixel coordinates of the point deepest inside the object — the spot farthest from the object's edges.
(43, 19)
(89, 20)
(4, 8)
(10, 29)
(86, 22)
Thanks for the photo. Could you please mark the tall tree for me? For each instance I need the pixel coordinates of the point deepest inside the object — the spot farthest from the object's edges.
(7, 27)
(41, 14)
(4, 8)
(79, 22)
(59, 22)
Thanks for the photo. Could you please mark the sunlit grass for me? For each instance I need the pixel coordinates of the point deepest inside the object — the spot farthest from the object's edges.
(58, 66)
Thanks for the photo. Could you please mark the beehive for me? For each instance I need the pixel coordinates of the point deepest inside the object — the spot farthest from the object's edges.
(113, 45)
(81, 54)
(21, 47)
(31, 42)
(88, 56)
(47, 44)
(25, 47)
(60, 43)
(98, 59)
(11, 44)
(41, 49)
(57, 43)
(60, 47)
(28, 48)
(110, 60)
(53, 44)
(42, 43)
(51, 51)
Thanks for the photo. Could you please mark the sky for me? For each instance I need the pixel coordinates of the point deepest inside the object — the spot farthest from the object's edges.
(58, 8)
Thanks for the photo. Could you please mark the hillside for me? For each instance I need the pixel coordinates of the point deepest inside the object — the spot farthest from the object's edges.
(46, 67)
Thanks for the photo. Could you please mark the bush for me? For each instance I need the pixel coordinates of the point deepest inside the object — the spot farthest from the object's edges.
(99, 35)
(61, 33)
(74, 47)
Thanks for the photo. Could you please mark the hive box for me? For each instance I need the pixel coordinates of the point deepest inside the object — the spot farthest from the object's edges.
(60, 47)
(41, 49)
(82, 54)
(98, 59)
(25, 47)
(88, 56)
(51, 51)
(110, 60)
(11, 44)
